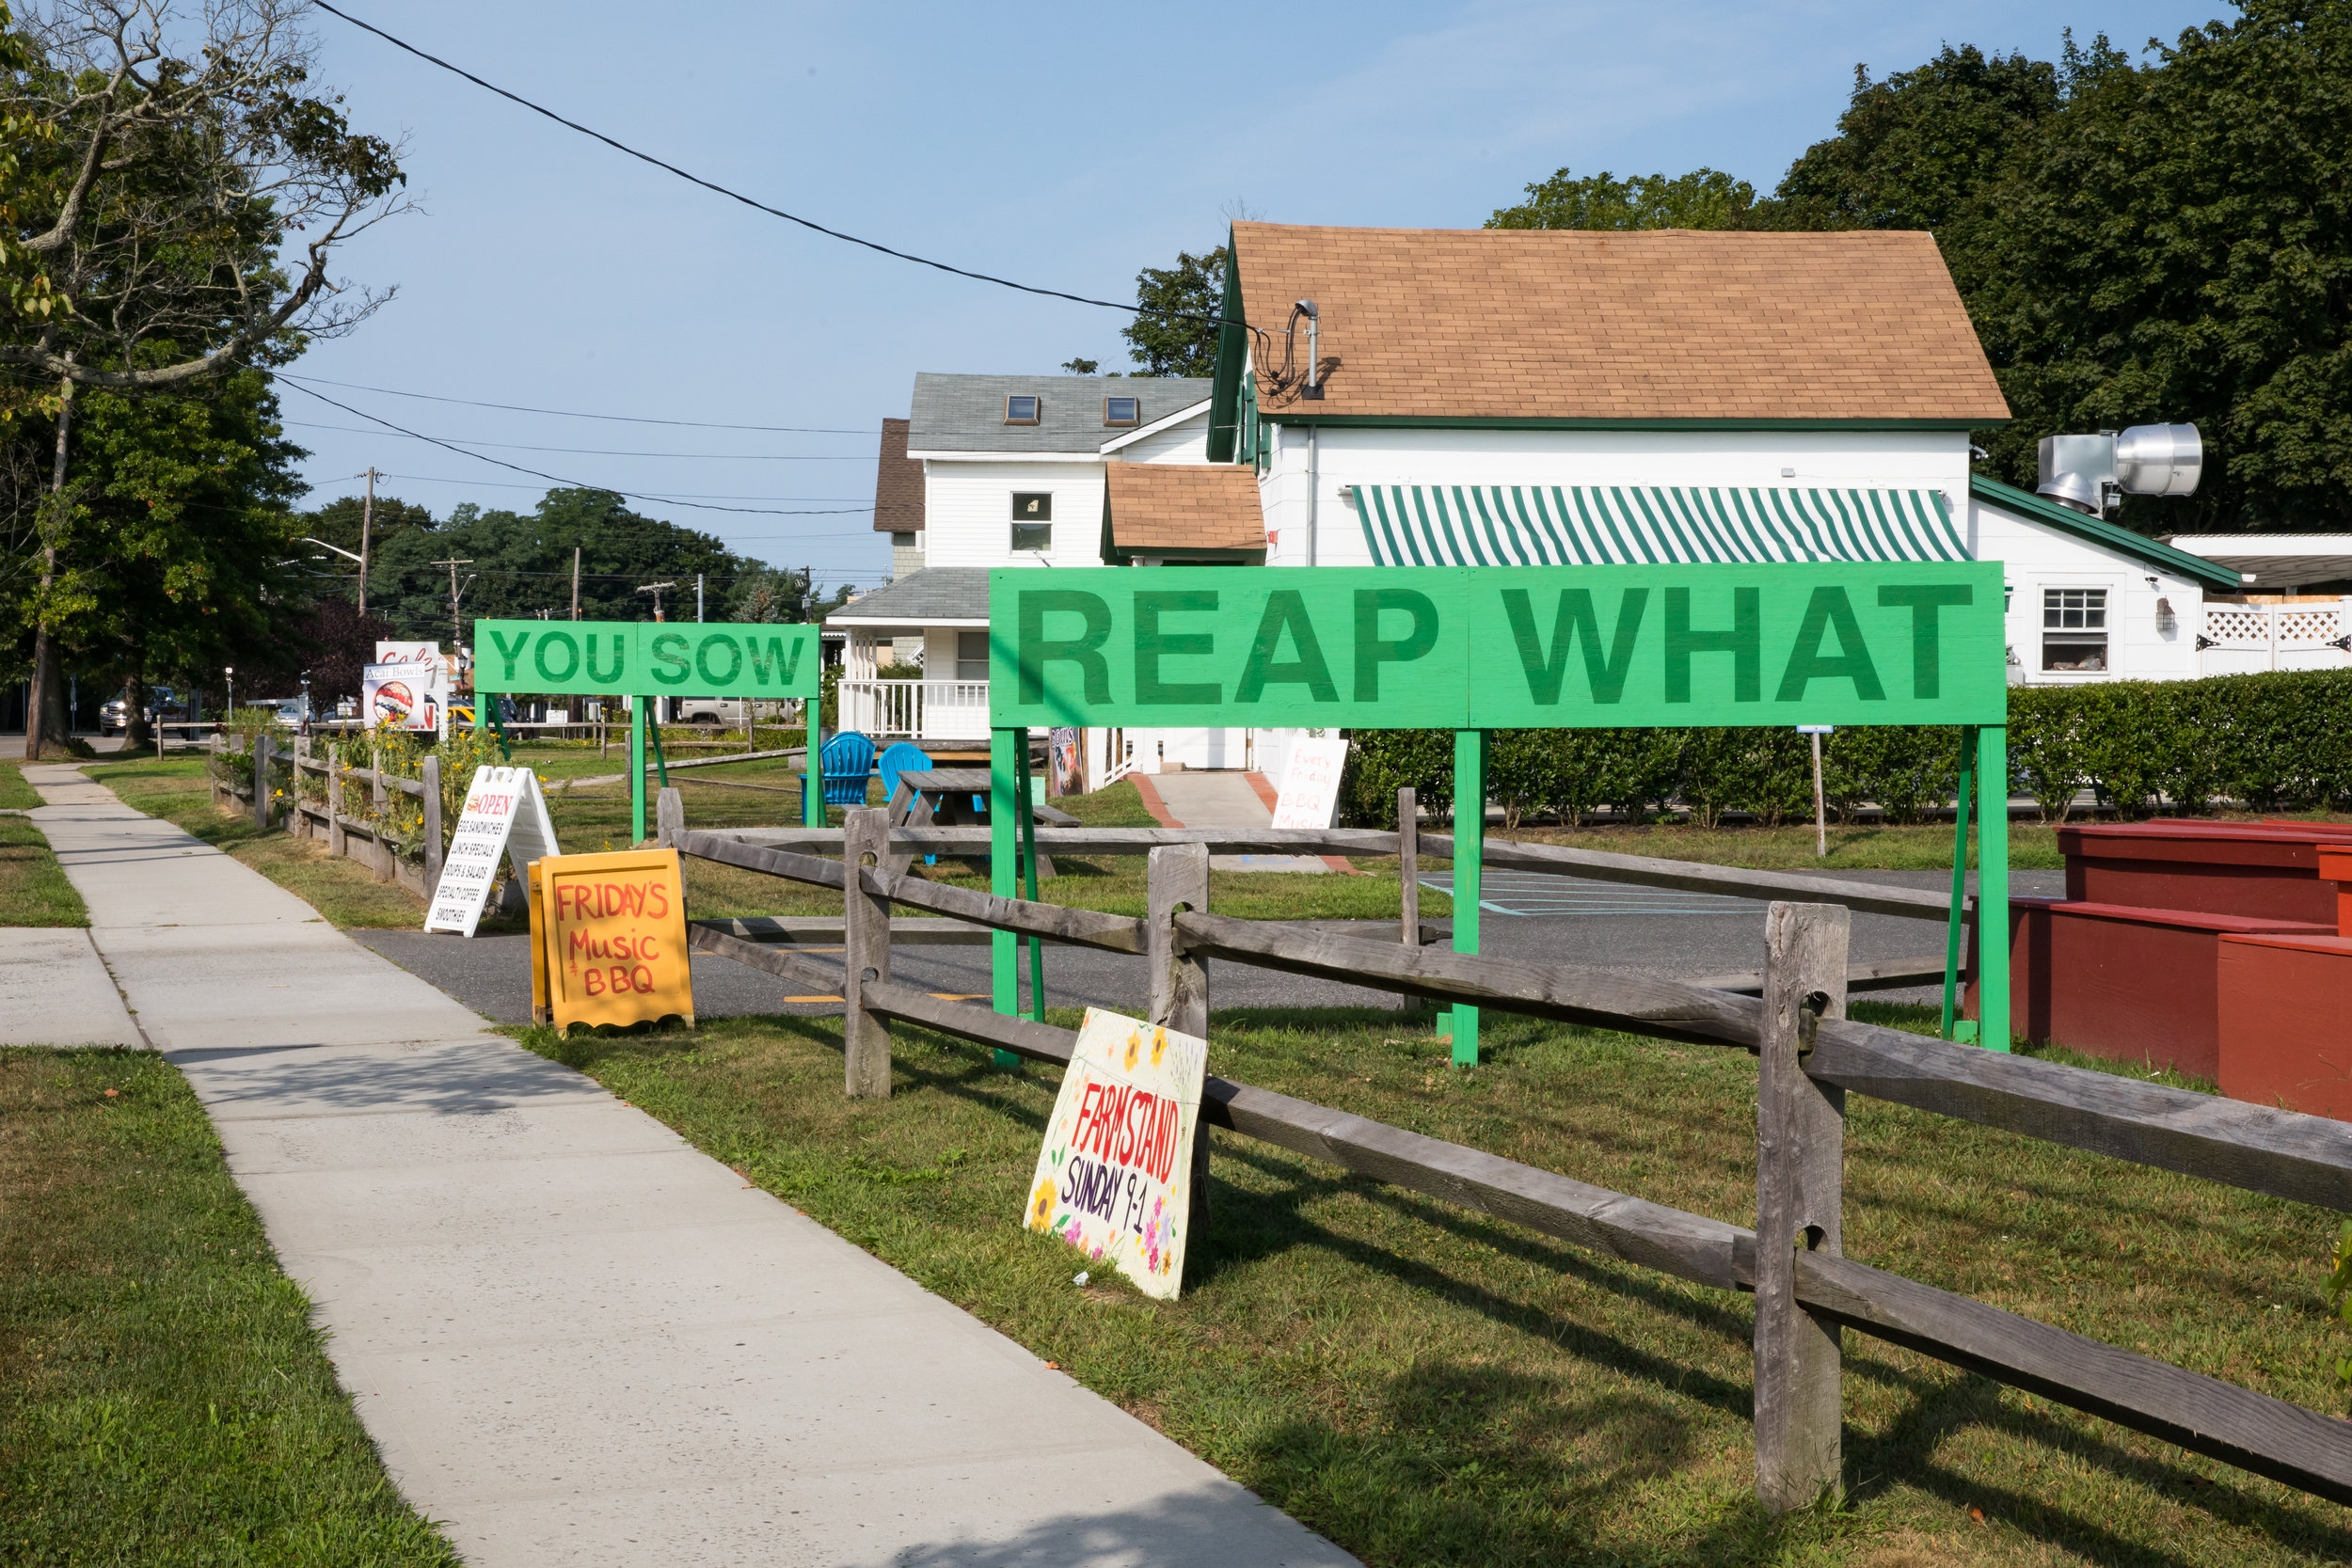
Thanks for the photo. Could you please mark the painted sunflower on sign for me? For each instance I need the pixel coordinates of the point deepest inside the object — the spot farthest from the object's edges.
(1041, 1206)
(1135, 1048)
(1159, 1045)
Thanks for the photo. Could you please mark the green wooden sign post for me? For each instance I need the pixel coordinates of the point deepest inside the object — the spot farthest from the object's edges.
(1477, 649)
(639, 659)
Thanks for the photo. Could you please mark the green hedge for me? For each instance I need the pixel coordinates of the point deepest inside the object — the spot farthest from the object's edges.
(2268, 742)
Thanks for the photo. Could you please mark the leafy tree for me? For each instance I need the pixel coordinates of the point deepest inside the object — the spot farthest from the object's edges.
(2175, 244)
(1703, 199)
(1176, 334)
(172, 544)
(1914, 150)
(171, 215)
(338, 523)
(1082, 366)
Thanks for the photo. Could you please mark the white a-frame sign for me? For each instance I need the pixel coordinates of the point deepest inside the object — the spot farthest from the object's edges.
(505, 812)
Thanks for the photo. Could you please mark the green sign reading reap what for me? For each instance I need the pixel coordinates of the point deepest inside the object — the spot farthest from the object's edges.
(646, 658)
(1685, 646)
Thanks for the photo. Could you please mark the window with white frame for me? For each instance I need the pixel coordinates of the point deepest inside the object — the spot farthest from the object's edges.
(2075, 631)
(972, 655)
(1032, 520)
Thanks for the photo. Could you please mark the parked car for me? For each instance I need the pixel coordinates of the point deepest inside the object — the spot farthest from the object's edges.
(707, 710)
(113, 716)
(291, 711)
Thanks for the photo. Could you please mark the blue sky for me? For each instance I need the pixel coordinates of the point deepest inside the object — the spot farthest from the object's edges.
(1066, 145)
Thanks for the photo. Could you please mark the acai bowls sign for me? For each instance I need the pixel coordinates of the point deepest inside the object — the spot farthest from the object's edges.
(1115, 1177)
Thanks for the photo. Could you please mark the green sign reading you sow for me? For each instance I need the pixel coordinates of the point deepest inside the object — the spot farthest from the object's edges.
(1830, 642)
(646, 658)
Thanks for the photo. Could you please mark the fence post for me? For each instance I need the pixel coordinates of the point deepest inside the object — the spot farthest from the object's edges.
(213, 769)
(431, 823)
(1800, 1158)
(1408, 865)
(338, 842)
(669, 816)
(864, 955)
(1176, 877)
(377, 812)
(263, 746)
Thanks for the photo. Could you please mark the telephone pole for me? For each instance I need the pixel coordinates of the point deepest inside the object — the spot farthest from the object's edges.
(456, 638)
(656, 589)
(367, 525)
(575, 582)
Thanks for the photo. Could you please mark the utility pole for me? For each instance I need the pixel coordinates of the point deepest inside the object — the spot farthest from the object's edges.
(575, 582)
(698, 597)
(456, 638)
(367, 526)
(656, 589)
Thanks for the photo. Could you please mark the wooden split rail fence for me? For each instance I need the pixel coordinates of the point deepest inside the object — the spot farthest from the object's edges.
(1809, 1055)
(362, 838)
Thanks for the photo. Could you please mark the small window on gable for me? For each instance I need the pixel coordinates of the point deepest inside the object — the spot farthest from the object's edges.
(1123, 410)
(1023, 410)
(1032, 520)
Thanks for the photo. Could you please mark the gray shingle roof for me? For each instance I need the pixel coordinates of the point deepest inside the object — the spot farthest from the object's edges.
(931, 595)
(967, 413)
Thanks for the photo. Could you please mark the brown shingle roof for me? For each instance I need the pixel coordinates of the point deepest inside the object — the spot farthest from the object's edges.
(1182, 507)
(1662, 324)
(897, 483)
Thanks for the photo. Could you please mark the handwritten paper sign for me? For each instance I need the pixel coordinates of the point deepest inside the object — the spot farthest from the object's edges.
(1115, 1177)
(504, 814)
(1311, 785)
(611, 930)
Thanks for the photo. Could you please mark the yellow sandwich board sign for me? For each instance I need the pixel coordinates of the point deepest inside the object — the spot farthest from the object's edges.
(609, 940)
(1114, 1177)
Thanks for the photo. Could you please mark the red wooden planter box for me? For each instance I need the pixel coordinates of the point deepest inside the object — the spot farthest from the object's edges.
(2260, 869)
(2121, 981)
(2286, 1022)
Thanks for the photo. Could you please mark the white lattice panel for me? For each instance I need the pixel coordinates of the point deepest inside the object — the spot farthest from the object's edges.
(2302, 626)
(2238, 626)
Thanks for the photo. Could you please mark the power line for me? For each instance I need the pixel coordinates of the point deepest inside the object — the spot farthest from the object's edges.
(602, 452)
(508, 484)
(537, 473)
(775, 212)
(574, 414)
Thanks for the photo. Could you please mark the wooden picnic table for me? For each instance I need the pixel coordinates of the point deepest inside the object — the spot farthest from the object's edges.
(943, 796)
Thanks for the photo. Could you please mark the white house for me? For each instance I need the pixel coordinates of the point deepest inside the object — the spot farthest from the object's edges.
(1008, 470)
(1513, 397)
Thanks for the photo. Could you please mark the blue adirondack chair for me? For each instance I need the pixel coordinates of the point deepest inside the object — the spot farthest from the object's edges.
(903, 757)
(848, 759)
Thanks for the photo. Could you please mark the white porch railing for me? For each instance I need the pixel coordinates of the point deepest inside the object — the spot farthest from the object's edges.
(2305, 635)
(916, 710)
(1112, 761)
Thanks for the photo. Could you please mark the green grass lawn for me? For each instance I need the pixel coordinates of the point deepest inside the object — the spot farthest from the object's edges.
(15, 794)
(1429, 1386)
(33, 887)
(163, 1396)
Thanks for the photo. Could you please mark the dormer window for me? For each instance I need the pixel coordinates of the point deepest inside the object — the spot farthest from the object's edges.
(1023, 410)
(1123, 410)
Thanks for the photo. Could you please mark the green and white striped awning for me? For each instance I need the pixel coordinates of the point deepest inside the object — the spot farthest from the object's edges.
(1632, 525)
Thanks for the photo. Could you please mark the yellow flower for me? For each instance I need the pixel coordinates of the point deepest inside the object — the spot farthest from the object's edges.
(1135, 1042)
(1042, 1205)
(1159, 1045)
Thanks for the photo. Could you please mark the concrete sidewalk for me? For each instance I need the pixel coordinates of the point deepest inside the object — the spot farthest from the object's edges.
(537, 1294)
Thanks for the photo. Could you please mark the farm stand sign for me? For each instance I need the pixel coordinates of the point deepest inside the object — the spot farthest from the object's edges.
(646, 658)
(1673, 646)
(1114, 1177)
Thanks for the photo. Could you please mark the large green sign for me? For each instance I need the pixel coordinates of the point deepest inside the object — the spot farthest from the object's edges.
(646, 658)
(1831, 642)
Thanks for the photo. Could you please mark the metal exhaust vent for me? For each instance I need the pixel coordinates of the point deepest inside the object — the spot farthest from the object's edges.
(2082, 471)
